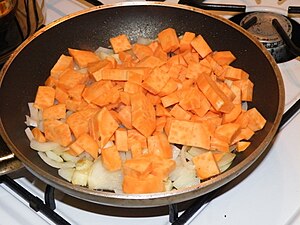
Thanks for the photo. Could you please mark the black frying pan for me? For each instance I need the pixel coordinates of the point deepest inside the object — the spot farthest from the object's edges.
(29, 66)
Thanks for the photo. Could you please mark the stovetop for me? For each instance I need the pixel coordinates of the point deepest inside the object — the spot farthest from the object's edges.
(267, 193)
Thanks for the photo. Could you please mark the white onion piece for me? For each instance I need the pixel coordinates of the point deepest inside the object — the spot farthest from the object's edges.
(176, 151)
(224, 167)
(186, 181)
(55, 164)
(84, 164)
(245, 106)
(41, 125)
(107, 51)
(183, 177)
(66, 173)
(144, 41)
(29, 134)
(101, 178)
(68, 157)
(194, 151)
(183, 158)
(30, 122)
(54, 156)
(80, 177)
(43, 147)
(168, 185)
(60, 150)
(226, 159)
(34, 112)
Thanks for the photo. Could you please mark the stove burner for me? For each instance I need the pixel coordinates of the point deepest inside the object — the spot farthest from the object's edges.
(263, 29)
(259, 24)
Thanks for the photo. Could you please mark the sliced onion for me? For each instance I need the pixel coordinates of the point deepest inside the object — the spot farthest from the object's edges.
(30, 122)
(144, 41)
(43, 147)
(34, 112)
(101, 178)
(29, 134)
(226, 159)
(194, 151)
(68, 157)
(80, 177)
(54, 156)
(66, 173)
(168, 185)
(176, 151)
(107, 51)
(55, 164)
(84, 164)
(183, 158)
(245, 106)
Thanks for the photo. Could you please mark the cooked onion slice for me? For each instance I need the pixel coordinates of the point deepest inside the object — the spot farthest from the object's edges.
(66, 173)
(101, 178)
(43, 147)
(53, 163)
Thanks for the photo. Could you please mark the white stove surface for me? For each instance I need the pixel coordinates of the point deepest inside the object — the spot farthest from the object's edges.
(266, 194)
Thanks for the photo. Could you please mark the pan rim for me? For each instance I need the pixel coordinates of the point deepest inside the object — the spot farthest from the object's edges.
(137, 200)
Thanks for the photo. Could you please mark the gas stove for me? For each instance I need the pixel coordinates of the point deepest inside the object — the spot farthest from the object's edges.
(267, 193)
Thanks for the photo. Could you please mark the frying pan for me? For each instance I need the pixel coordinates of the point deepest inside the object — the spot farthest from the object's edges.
(30, 64)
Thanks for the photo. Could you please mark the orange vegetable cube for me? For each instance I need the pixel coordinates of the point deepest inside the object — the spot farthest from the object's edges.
(256, 120)
(189, 133)
(224, 57)
(70, 78)
(55, 112)
(120, 43)
(226, 132)
(201, 46)
(38, 135)
(206, 165)
(64, 62)
(121, 139)
(242, 145)
(44, 97)
(149, 184)
(106, 125)
(83, 57)
(86, 143)
(156, 81)
(111, 158)
(168, 40)
(185, 41)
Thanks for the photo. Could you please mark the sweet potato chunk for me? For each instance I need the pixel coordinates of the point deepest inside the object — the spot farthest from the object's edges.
(44, 97)
(120, 43)
(206, 165)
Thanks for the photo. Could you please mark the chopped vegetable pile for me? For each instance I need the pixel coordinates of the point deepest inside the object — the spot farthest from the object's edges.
(115, 119)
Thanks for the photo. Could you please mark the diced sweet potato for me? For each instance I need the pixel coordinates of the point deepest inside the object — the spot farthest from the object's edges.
(44, 97)
(83, 57)
(189, 133)
(64, 62)
(86, 143)
(201, 46)
(111, 158)
(55, 112)
(38, 135)
(206, 165)
(120, 43)
(168, 40)
(149, 184)
(143, 114)
(121, 139)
